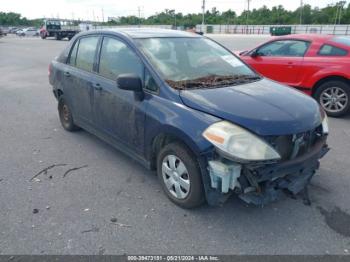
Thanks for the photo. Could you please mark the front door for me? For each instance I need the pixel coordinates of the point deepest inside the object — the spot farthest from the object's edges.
(119, 113)
(280, 60)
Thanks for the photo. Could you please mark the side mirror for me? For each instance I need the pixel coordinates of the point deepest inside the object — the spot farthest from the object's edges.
(129, 82)
(255, 53)
(243, 52)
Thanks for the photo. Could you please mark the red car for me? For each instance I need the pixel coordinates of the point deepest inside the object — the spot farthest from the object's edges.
(318, 65)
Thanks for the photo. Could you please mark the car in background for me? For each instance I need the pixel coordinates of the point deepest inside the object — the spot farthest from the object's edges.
(28, 32)
(187, 107)
(318, 65)
(13, 30)
(4, 31)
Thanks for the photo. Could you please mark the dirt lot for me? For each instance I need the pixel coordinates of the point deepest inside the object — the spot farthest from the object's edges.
(57, 214)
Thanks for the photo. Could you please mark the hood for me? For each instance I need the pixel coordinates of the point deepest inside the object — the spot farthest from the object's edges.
(264, 107)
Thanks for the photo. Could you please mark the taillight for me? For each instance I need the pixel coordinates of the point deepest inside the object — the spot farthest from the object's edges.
(49, 69)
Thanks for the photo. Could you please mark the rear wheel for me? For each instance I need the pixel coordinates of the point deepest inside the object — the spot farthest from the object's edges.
(334, 97)
(180, 176)
(57, 37)
(66, 117)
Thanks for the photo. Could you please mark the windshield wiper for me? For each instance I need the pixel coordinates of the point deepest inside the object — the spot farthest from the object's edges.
(212, 81)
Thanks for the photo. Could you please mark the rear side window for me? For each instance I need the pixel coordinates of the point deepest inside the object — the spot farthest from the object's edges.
(329, 50)
(117, 58)
(86, 53)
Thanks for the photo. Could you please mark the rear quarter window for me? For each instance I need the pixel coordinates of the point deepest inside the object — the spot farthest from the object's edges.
(73, 54)
(330, 50)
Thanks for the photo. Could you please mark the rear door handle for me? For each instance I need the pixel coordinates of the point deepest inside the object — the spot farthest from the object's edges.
(67, 74)
(97, 86)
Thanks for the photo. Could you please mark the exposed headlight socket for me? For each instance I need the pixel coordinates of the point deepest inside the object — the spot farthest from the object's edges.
(224, 174)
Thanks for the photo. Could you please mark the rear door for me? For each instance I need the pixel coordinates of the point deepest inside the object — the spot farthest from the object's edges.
(119, 113)
(280, 60)
(78, 78)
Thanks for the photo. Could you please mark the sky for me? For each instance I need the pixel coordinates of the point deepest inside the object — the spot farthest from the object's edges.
(97, 9)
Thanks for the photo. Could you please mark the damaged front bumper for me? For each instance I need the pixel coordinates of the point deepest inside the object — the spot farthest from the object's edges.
(262, 183)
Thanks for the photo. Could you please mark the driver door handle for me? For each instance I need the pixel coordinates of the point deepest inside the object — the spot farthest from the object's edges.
(97, 86)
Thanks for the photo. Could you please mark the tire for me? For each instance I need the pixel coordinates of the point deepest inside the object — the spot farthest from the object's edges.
(65, 115)
(334, 97)
(185, 197)
(57, 37)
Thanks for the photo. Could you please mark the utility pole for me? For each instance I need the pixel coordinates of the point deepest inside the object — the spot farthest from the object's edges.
(247, 17)
(301, 11)
(139, 11)
(339, 12)
(203, 11)
(336, 15)
(103, 15)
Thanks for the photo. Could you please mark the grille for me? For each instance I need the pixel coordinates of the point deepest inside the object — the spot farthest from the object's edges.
(292, 146)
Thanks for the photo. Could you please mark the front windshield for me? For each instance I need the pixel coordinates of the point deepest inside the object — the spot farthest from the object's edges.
(195, 62)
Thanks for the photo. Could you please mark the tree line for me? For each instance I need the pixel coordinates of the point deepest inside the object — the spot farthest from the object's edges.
(338, 13)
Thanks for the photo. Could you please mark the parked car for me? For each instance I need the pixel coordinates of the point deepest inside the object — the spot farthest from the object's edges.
(3, 31)
(318, 65)
(184, 105)
(28, 32)
(13, 30)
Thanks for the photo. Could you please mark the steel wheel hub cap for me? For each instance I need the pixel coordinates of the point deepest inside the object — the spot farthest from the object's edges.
(175, 176)
(334, 99)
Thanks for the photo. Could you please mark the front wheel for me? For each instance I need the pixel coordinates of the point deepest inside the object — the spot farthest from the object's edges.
(180, 175)
(334, 97)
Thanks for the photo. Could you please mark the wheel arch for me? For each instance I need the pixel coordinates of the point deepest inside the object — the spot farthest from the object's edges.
(58, 93)
(329, 78)
(168, 136)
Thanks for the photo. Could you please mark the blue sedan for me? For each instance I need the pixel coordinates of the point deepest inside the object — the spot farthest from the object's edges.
(187, 107)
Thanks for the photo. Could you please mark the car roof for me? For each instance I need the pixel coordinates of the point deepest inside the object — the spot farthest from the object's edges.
(306, 37)
(146, 32)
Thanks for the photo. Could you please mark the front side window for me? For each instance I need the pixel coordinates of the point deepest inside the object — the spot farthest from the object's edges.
(191, 62)
(329, 50)
(288, 48)
(117, 58)
(86, 53)
(150, 83)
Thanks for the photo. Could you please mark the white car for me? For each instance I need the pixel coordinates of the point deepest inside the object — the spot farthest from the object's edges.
(28, 32)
